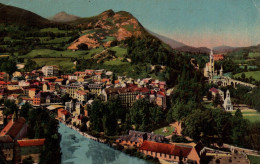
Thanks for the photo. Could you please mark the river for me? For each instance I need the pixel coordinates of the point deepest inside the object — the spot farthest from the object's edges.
(77, 149)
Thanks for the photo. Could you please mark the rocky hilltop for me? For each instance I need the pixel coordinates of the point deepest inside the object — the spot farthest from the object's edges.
(106, 28)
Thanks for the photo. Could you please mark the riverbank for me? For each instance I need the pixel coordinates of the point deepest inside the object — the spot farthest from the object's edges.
(134, 153)
(77, 149)
(83, 133)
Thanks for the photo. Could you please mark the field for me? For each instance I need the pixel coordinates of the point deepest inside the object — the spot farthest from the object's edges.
(120, 52)
(253, 55)
(64, 63)
(254, 74)
(115, 62)
(251, 115)
(160, 131)
(254, 159)
(38, 53)
(54, 30)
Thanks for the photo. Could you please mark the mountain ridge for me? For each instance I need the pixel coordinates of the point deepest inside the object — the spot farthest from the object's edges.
(21, 16)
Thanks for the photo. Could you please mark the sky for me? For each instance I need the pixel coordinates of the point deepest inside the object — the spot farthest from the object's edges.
(197, 23)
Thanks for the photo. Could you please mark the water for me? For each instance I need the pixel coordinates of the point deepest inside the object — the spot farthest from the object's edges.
(77, 149)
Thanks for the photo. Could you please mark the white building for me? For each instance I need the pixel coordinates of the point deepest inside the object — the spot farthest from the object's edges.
(227, 102)
(51, 70)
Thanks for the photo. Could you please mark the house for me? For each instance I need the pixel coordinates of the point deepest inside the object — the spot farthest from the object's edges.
(63, 114)
(30, 147)
(44, 98)
(73, 88)
(173, 152)
(51, 70)
(4, 76)
(96, 88)
(81, 95)
(136, 138)
(216, 92)
(16, 129)
(218, 57)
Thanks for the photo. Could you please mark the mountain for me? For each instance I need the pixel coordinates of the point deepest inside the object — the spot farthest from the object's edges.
(171, 42)
(18, 16)
(223, 49)
(63, 17)
(106, 29)
(197, 50)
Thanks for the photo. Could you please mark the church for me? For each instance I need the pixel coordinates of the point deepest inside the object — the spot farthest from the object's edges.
(209, 70)
(227, 102)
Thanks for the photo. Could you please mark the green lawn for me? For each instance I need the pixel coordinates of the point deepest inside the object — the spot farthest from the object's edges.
(255, 118)
(254, 74)
(53, 53)
(251, 115)
(120, 52)
(109, 38)
(115, 62)
(160, 131)
(254, 54)
(254, 159)
(54, 30)
(63, 63)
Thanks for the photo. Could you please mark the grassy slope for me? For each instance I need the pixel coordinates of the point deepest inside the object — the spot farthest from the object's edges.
(254, 74)
(254, 159)
(251, 115)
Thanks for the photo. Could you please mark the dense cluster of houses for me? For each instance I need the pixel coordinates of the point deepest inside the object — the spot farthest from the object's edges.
(47, 88)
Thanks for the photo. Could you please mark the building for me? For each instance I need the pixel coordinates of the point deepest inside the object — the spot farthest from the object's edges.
(51, 70)
(173, 152)
(30, 147)
(81, 95)
(227, 102)
(63, 114)
(96, 88)
(216, 92)
(136, 138)
(16, 129)
(46, 98)
(218, 57)
(71, 89)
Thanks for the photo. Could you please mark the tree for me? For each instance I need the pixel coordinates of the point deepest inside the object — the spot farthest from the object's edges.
(243, 76)
(82, 46)
(199, 126)
(239, 129)
(96, 115)
(30, 65)
(253, 135)
(24, 112)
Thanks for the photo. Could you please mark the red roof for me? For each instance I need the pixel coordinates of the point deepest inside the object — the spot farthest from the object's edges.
(218, 57)
(59, 80)
(166, 148)
(50, 78)
(63, 111)
(213, 90)
(13, 128)
(31, 142)
(2, 83)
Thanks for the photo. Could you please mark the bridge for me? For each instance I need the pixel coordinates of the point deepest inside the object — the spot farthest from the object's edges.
(227, 81)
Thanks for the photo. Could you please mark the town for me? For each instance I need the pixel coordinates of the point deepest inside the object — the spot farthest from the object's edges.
(71, 99)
